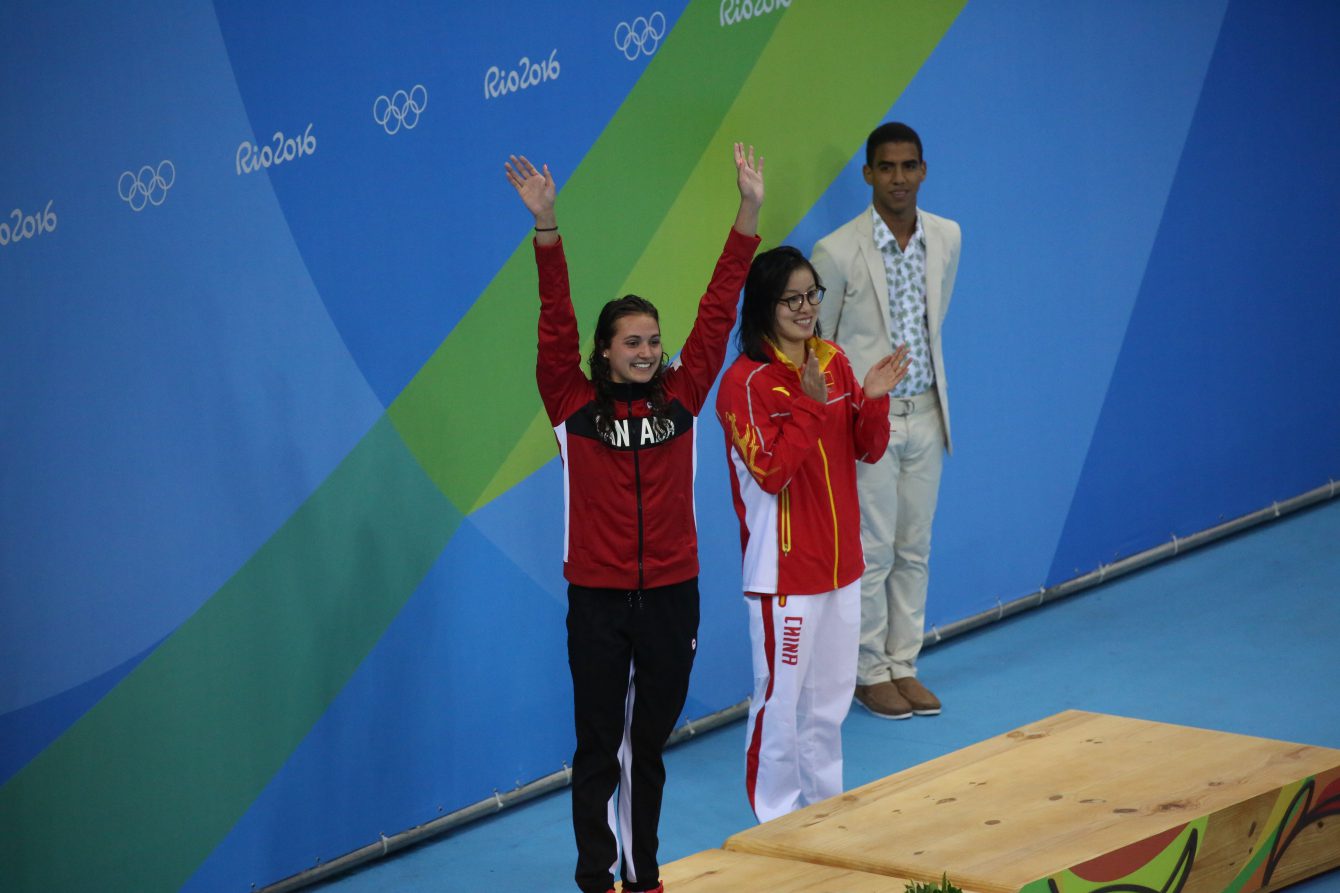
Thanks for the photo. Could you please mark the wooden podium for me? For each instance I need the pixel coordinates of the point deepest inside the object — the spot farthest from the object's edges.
(1076, 803)
(726, 871)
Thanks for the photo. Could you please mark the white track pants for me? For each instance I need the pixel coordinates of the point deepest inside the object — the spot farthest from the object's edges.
(804, 674)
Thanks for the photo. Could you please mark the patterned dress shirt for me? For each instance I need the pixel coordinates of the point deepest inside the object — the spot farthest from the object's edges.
(905, 272)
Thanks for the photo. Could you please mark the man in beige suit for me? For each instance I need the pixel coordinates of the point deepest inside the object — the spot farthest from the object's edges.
(889, 274)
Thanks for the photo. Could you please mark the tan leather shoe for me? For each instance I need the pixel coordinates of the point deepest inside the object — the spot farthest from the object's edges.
(923, 702)
(883, 700)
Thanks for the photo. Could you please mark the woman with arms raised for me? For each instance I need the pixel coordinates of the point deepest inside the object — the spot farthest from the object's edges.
(626, 437)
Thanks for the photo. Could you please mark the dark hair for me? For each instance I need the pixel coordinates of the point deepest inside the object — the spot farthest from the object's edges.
(892, 132)
(606, 323)
(766, 283)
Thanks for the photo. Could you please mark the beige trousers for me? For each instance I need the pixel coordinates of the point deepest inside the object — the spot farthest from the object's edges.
(898, 495)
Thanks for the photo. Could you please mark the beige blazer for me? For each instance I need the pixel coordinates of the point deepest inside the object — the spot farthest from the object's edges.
(855, 311)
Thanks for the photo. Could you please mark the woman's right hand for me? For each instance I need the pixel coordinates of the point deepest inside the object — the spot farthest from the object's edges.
(812, 380)
(536, 188)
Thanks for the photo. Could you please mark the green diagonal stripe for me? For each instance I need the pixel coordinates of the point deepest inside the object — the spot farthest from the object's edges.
(142, 788)
(814, 85)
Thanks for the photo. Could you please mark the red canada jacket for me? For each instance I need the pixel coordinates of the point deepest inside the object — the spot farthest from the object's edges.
(628, 499)
(793, 464)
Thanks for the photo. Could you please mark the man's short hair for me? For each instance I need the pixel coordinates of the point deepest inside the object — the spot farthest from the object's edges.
(892, 132)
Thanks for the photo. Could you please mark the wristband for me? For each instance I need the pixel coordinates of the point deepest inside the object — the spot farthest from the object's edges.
(546, 229)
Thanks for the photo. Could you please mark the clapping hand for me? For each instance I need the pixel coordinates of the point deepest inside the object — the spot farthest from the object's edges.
(813, 381)
(885, 375)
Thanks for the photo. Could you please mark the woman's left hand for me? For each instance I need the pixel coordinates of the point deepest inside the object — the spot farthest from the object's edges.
(748, 175)
(885, 375)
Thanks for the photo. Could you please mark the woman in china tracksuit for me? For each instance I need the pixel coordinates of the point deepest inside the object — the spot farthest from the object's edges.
(796, 423)
(626, 436)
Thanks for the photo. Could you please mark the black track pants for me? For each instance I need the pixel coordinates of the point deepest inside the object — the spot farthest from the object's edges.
(630, 654)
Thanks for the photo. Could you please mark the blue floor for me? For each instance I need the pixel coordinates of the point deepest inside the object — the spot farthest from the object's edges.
(1239, 636)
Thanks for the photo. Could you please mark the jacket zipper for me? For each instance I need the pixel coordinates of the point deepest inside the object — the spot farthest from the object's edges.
(637, 488)
(832, 508)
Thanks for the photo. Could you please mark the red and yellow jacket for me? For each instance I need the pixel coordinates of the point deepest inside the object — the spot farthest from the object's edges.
(628, 508)
(793, 466)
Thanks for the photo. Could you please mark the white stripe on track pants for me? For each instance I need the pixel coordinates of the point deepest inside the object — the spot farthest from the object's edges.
(805, 649)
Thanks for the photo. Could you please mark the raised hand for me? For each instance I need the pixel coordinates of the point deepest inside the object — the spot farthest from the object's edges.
(885, 375)
(812, 380)
(749, 178)
(748, 175)
(535, 187)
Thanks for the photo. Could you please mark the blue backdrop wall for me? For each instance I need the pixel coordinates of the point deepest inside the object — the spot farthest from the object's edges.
(280, 528)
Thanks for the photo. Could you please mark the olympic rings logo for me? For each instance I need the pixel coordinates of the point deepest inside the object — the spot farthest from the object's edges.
(148, 187)
(642, 37)
(402, 109)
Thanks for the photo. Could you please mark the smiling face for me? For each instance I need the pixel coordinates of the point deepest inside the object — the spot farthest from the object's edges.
(634, 352)
(792, 328)
(895, 173)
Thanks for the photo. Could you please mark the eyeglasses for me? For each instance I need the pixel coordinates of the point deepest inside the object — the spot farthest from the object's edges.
(815, 296)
